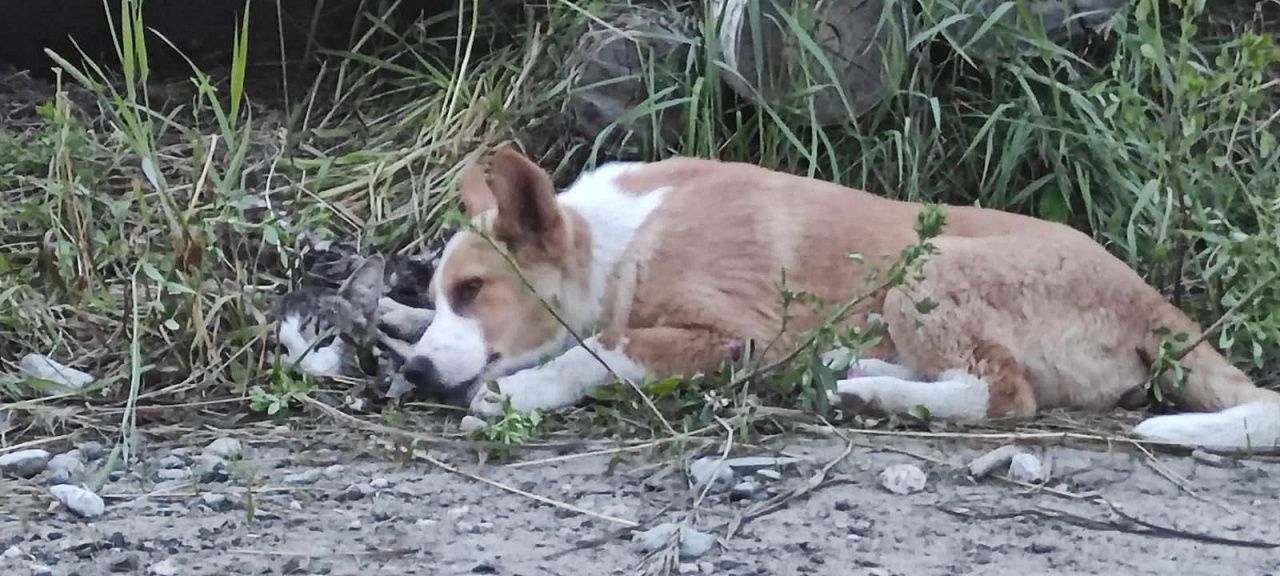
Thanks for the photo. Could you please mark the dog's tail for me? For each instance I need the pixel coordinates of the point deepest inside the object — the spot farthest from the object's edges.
(1226, 409)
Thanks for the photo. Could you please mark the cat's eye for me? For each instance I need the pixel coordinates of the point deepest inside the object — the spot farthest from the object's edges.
(465, 292)
(326, 341)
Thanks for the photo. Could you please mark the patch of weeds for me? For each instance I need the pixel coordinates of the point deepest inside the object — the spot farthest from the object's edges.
(509, 432)
(284, 387)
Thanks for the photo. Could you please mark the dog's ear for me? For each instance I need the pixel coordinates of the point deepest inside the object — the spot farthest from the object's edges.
(363, 289)
(526, 199)
(474, 190)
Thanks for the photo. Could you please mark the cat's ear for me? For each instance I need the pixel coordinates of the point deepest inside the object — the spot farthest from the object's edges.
(364, 288)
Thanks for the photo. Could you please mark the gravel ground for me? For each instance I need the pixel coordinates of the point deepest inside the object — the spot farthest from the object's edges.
(328, 507)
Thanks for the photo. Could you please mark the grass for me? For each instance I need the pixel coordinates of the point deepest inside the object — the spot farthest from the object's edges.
(149, 223)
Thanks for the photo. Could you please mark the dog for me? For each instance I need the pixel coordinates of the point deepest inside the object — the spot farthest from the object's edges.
(662, 267)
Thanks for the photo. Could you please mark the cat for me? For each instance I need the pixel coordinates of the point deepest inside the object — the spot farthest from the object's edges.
(354, 315)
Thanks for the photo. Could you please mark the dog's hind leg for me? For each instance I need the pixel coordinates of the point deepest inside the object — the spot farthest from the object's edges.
(1229, 411)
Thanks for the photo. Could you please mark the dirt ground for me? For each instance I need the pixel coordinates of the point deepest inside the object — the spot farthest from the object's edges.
(324, 506)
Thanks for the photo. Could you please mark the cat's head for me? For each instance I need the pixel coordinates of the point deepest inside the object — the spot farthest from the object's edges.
(322, 327)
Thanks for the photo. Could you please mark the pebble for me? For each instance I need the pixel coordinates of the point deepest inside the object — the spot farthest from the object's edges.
(989, 462)
(82, 502)
(693, 543)
(211, 468)
(1211, 459)
(471, 423)
(126, 563)
(164, 567)
(769, 474)
(24, 463)
(744, 490)
(66, 467)
(44, 368)
(755, 464)
(379, 483)
(334, 471)
(39, 569)
(168, 474)
(225, 448)
(903, 479)
(217, 502)
(12, 552)
(351, 493)
(91, 450)
(355, 525)
(707, 470)
(171, 461)
(309, 476)
(1026, 468)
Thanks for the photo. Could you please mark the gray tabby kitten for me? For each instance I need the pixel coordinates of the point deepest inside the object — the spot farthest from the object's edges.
(354, 315)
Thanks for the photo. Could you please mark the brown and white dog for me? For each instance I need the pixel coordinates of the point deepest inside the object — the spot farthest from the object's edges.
(662, 266)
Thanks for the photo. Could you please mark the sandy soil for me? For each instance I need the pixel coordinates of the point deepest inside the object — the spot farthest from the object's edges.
(322, 508)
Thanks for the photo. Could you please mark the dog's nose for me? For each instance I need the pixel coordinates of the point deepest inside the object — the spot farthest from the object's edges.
(422, 373)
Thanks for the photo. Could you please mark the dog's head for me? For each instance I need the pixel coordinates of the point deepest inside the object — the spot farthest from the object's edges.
(496, 279)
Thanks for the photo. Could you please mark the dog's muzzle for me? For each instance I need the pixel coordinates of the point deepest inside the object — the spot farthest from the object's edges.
(421, 372)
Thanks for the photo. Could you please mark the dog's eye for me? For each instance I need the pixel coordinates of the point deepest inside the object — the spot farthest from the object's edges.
(326, 341)
(465, 292)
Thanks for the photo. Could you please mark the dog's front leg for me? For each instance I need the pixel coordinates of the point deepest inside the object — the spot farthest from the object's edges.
(563, 381)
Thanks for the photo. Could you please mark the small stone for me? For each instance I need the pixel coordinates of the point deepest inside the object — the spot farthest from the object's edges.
(1211, 459)
(351, 493)
(66, 468)
(211, 468)
(117, 540)
(379, 483)
(334, 471)
(1026, 468)
(989, 462)
(24, 463)
(42, 367)
(36, 569)
(82, 502)
(711, 470)
(769, 474)
(471, 424)
(217, 502)
(12, 552)
(171, 474)
(657, 537)
(91, 450)
(355, 525)
(164, 567)
(755, 464)
(1041, 547)
(744, 490)
(903, 479)
(693, 544)
(309, 476)
(171, 461)
(225, 448)
(687, 568)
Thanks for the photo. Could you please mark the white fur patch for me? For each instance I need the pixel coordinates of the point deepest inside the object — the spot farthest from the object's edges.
(562, 382)
(319, 361)
(1254, 425)
(614, 215)
(454, 344)
(957, 396)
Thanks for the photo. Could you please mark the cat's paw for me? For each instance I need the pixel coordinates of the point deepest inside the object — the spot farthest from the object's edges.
(488, 404)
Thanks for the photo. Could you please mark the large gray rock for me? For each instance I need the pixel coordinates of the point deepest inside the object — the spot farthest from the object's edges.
(618, 69)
